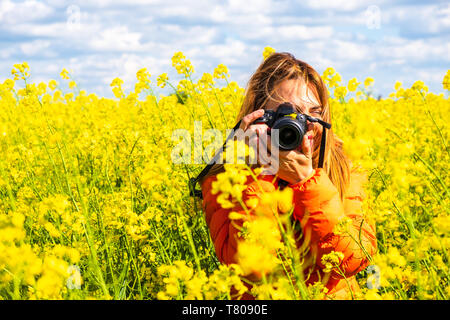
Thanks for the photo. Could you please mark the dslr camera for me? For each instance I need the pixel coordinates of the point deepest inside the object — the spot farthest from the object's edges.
(291, 125)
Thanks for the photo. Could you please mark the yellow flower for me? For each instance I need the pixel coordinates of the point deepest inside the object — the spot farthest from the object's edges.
(9, 84)
(264, 231)
(117, 82)
(117, 88)
(328, 71)
(285, 200)
(419, 86)
(446, 81)
(72, 84)
(372, 294)
(368, 82)
(332, 260)
(343, 225)
(21, 71)
(64, 74)
(162, 80)
(267, 52)
(181, 64)
(395, 257)
(221, 72)
(352, 84)
(52, 230)
(340, 92)
(255, 258)
(143, 75)
(317, 290)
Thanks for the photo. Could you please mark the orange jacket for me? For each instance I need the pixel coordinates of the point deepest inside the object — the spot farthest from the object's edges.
(318, 207)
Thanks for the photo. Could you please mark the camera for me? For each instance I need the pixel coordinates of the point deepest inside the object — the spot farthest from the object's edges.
(291, 125)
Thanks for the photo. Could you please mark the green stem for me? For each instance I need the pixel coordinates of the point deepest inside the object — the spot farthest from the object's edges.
(190, 240)
(424, 162)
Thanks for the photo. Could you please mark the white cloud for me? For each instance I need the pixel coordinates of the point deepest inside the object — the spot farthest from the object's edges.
(6, 7)
(55, 30)
(198, 35)
(112, 3)
(27, 11)
(341, 5)
(231, 52)
(250, 6)
(319, 62)
(126, 66)
(419, 19)
(285, 33)
(300, 32)
(350, 51)
(116, 39)
(430, 75)
(440, 20)
(413, 51)
(34, 47)
(6, 53)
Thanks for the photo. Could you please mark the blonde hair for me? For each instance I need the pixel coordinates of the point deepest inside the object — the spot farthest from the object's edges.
(277, 68)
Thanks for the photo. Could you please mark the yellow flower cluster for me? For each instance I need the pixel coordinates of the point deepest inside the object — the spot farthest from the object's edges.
(179, 281)
(21, 71)
(92, 205)
(446, 81)
(143, 83)
(267, 52)
(230, 183)
(31, 271)
(182, 65)
(332, 260)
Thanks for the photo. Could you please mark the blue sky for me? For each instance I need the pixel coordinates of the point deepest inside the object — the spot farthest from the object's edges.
(100, 40)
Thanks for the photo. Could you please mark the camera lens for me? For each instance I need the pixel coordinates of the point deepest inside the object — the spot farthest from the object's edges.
(288, 136)
(290, 133)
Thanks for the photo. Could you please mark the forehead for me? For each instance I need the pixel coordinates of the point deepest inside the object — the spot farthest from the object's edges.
(297, 92)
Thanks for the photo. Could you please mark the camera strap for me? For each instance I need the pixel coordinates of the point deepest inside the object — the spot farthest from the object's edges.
(193, 181)
(202, 174)
(322, 147)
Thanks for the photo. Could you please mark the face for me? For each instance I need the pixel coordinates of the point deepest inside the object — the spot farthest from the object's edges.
(303, 99)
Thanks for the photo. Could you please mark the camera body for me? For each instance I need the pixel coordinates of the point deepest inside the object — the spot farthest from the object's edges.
(292, 125)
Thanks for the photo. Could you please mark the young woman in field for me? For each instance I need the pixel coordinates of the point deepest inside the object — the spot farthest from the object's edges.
(322, 197)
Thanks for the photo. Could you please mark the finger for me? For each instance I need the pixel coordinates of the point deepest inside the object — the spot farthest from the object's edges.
(250, 118)
(267, 140)
(265, 144)
(264, 154)
(260, 128)
(307, 146)
(252, 134)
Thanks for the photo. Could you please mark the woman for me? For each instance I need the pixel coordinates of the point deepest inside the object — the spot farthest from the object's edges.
(322, 196)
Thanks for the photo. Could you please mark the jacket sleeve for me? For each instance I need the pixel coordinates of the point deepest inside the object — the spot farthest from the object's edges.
(223, 231)
(319, 208)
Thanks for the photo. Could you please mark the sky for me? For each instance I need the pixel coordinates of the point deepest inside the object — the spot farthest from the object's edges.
(100, 40)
